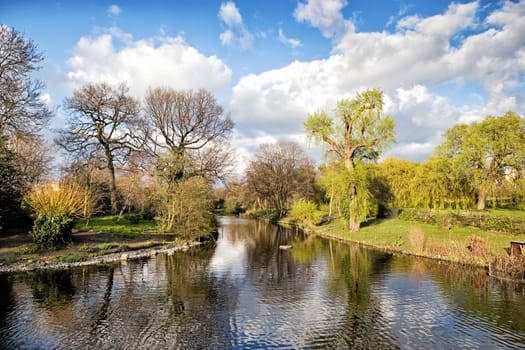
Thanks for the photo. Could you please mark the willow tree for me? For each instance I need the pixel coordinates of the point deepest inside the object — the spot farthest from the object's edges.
(359, 131)
(489, 152)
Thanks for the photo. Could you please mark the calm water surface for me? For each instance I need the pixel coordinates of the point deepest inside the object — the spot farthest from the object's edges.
(245, 293)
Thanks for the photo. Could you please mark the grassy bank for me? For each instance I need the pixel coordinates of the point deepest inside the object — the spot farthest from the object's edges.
(90, 240)
(459, 244)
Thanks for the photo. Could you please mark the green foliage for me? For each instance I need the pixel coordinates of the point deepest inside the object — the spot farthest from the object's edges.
(359, 132)
(52, 230)
(85, 249)
(305, 211)
(27, 249)
(109, 246)
(10, 184)
(186, 209)
(69, 258)
(494, 221)
(112, 224)
(265, 214)
(487, 152)
(334, 179)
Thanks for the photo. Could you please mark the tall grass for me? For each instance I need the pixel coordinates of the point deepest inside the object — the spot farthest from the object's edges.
(65, 197)
(56, 205)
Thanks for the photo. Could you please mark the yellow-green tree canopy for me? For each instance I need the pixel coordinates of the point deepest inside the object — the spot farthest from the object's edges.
(358, 131)
(488, 152)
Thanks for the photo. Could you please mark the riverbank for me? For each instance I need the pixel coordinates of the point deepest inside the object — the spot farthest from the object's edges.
(43, 263)
(88, 247)
(464, 245)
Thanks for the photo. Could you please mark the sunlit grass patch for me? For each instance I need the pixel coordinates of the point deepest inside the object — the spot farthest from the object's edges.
(455, 243)
(116, 224)
(27, 250)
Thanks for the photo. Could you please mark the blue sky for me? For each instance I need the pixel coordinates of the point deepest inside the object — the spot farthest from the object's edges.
(271, 63)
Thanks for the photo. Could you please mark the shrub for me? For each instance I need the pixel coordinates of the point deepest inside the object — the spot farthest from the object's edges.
(478, 246)
(417, 239)
(52, 230)
(304, 211)
(65, 198)
(56, 205)
(186, 209)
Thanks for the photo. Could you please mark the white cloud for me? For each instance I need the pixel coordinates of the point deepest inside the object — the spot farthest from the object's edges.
(165, 61)
(408, 65)
(114, 10)
(457, 17)
(229, 13)
(236, 33)
(245, 39)
(227, 37)
(322, 14)
(294, 43)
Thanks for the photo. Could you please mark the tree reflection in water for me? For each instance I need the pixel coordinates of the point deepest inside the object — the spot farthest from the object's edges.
(244, 292)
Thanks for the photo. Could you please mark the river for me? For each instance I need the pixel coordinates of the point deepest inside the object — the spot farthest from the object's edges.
(245, 293)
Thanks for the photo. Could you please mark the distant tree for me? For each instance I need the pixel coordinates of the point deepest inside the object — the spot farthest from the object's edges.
(101, 125)
(22, 109)
(90, 175)
(333, 179)
(236, 197)
(10, 194)
(33, 158)
(23, 114)
(359, 131)
(281, 173)
(398, 174)
(186, 209)
(488, 152)
(187, 131)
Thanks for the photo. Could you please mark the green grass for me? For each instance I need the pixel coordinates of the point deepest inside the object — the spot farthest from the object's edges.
(85, 249)
(69, 258)
(452, 245)
(114, 224)
(27, 249)
(109, 246)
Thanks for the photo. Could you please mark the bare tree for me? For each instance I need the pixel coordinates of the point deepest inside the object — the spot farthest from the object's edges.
(21, 107)
(281, 173)
(187, 127)
(33, 158)
(101, 123)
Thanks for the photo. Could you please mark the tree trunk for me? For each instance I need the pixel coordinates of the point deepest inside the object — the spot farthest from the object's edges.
(353, 222)
(113, 183)
(482, 201)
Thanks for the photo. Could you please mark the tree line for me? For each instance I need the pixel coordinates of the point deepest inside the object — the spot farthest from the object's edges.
(163, 156)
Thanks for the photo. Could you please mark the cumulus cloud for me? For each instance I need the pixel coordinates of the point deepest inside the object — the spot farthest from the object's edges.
(229, 13)
(236, 32)
(410, 65)
(165, 61)
(322, 14)
(227, 37)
